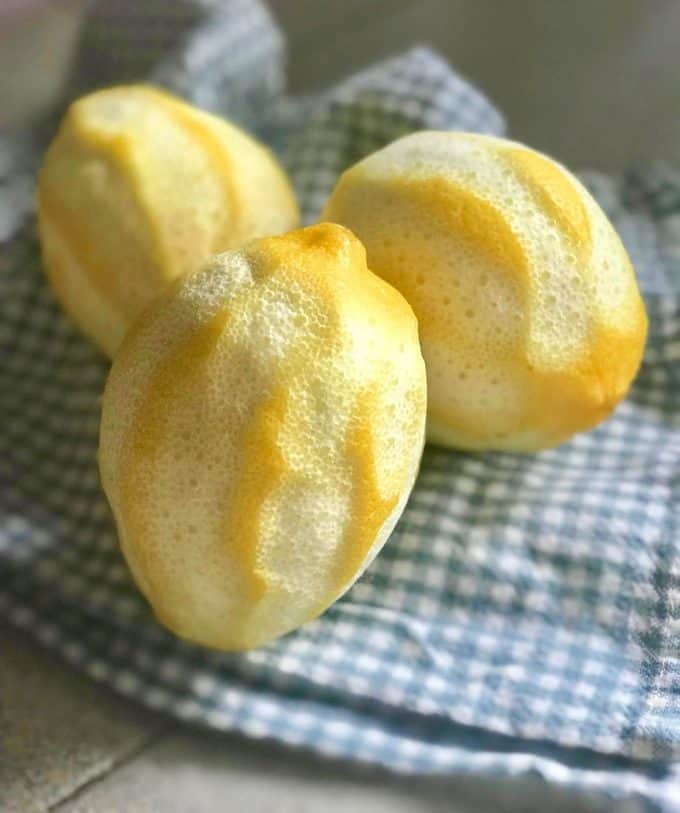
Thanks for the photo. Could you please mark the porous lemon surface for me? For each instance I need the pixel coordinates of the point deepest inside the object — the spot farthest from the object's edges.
(262, 427)
(531, 322)
(138, 188)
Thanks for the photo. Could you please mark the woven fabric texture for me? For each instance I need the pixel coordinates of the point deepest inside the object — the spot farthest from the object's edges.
(524, 614)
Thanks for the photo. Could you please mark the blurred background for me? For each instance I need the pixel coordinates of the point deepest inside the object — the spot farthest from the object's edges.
(596, 84)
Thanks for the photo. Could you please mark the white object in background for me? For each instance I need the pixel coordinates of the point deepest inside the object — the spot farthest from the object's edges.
(37, 39)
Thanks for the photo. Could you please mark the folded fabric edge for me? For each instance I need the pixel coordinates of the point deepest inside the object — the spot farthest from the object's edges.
(348, 732)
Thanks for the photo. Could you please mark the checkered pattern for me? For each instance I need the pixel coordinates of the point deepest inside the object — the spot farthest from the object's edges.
(417, 91)
(524, 614)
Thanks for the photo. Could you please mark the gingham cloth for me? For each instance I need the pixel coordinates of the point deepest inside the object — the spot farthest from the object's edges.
(524, 614)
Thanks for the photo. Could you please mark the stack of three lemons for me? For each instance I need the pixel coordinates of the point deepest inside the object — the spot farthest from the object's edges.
(265, 414)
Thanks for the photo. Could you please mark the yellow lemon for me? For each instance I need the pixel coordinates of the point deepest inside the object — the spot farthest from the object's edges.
(261, 431)
(531, 322)
(137, 189)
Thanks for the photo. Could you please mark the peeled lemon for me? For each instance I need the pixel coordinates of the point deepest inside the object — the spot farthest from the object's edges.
(262, 427)
(531, 322)
(137, 189)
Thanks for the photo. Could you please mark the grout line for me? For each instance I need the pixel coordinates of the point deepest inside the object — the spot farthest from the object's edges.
(164, 729)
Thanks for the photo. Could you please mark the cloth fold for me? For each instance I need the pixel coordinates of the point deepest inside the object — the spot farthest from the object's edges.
(524, 614)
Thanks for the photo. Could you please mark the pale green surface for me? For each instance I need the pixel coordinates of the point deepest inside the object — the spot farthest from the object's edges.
(595, 84)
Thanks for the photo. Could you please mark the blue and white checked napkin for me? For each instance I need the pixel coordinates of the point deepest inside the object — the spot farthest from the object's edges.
(524, 616)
